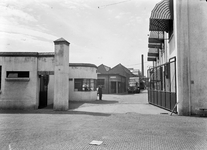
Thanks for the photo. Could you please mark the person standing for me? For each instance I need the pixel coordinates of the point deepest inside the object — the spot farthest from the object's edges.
(100, 92)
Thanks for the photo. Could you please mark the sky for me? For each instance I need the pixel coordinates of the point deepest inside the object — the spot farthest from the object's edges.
(105, 32)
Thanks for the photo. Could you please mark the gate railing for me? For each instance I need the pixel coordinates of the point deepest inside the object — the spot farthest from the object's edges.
(162, 85)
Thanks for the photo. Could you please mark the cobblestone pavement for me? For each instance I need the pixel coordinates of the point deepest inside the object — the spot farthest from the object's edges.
(46, 129)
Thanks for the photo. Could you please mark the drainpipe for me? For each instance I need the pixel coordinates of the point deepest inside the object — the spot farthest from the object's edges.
(189, 69)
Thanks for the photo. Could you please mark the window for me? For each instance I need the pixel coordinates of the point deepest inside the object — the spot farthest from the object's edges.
(17, 74)
(101, 82)
(171, 22)
(170, 32)
(85, 84)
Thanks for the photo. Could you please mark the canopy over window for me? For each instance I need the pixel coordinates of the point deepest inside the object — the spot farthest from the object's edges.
(161, 16)
(153, 52)
(156, 37)
(155, 45)
(156, 34)
(151, 58)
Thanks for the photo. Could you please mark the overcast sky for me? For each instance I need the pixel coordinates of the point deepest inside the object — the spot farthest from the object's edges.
(99, 31)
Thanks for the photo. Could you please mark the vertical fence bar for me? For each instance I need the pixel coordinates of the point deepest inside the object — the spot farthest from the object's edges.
(175, 86)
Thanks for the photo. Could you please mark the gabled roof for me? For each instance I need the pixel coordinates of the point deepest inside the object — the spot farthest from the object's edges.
(121, 70)
(103, 69)
(117, 70)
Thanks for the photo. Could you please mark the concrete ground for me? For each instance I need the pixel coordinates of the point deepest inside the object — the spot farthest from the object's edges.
(122, 122)
(137, 103)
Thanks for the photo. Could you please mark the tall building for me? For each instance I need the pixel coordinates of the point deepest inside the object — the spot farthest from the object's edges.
(178, 50)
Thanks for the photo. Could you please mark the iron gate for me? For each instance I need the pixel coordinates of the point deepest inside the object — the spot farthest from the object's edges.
(162, 85)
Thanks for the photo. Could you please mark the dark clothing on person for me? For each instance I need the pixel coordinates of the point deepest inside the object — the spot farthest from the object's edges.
(100, 93)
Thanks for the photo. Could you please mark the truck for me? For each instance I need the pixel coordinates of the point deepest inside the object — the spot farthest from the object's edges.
(134, 85)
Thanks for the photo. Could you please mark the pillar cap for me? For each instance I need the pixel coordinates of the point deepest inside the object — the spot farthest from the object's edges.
(61, 40)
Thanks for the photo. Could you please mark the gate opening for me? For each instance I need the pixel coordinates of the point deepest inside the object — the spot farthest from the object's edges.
(162, 85)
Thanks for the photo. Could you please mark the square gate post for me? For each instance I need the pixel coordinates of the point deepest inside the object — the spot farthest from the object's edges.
(61, 71)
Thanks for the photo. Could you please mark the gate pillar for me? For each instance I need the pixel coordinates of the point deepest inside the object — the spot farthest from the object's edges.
(61, 72)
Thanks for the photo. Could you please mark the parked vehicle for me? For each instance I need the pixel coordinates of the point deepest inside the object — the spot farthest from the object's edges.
(142, 85)
(134, 85)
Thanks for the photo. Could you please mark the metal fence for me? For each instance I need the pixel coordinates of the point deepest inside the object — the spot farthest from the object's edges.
(162, 85)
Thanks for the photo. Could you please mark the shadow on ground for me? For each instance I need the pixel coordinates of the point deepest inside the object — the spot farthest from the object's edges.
(126, 93)
(51, 111)
(74, 105)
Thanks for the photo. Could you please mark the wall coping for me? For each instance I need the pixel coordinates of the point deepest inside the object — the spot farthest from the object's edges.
(82, 65)
(27, 54)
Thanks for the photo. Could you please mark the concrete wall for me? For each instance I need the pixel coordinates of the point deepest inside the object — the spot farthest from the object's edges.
(192, 54)
(24, 93)
(46, 63)
(113, 78)
(198, 54)
(19, 94)
(75, 72)
(83, 73)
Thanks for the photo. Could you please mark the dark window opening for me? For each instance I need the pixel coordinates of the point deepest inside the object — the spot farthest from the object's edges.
(171, 21)
(17, 74)
(170, 32)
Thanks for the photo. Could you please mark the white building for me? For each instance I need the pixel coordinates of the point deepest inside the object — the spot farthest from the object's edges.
(31, 80)
(178, 51)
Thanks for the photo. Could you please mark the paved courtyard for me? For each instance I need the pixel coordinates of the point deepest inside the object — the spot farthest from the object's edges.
(120, 121)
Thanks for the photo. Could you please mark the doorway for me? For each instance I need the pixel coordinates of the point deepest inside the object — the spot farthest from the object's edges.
(119, 87)
(44, 80)
(113, 87)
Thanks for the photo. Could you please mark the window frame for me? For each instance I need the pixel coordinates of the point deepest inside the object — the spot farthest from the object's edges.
(17, 76)
(84, 84)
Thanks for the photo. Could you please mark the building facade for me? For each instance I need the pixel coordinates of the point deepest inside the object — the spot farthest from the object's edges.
(113, 80)
(31, 80)
(178, 51)
(82, 81)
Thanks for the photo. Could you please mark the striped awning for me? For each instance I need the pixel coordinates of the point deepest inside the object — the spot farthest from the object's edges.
(156, 37)
(161, 16)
